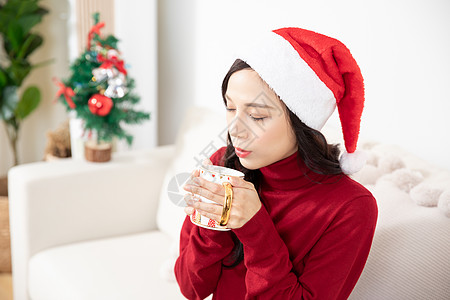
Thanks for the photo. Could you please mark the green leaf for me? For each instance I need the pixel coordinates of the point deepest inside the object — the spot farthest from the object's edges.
(43, 63)
(5, 20)
(41, 11)
(129, 139)
(24, 7)
(96, 17)
(3, 78)
(9, 103)
(30, 100)
(31, 43)
(15, 36)
(26, 12)
(18, 71)
(28, 22)
(110, 41)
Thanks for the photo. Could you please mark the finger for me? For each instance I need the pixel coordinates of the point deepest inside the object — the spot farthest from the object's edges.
(190, 199)
(208, 207)
(211, 216)
(235, 220)
(215, 188)
(195, 173)
(190, 181)
(189, 210)
(240, 182)
(200, 191)
(207, 161)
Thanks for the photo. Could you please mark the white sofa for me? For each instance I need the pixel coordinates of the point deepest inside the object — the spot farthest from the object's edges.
(90, 231)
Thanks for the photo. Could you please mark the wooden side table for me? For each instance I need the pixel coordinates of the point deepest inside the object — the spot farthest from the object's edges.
(5, 242)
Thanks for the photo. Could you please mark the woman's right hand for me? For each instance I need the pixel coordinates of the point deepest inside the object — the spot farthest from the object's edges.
(190, 198)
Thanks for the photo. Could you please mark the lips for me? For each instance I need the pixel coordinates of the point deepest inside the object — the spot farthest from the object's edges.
(241, 152)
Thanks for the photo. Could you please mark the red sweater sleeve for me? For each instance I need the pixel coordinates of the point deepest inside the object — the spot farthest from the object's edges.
(332, 267)
(199, 265)
(202, 251)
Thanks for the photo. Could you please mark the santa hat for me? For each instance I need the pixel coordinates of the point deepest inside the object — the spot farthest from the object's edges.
(313, 73)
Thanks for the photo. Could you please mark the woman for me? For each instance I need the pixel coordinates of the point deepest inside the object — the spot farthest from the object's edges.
(300, 227)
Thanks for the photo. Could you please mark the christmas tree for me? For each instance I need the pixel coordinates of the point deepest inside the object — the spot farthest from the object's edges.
(99, 89)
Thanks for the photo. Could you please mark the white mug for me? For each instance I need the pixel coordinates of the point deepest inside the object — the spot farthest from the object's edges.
(216, 174)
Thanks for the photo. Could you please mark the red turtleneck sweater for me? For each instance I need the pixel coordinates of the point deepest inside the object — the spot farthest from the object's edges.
(309, 240)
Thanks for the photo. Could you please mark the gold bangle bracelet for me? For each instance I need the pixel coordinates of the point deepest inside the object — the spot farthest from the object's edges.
(226, 204)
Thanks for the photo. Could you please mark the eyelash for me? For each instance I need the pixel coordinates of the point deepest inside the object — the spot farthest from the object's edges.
(255, 119)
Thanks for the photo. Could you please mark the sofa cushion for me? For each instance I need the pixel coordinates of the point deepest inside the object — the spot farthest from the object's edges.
(409, 258)
(125, 267)
(409, 254)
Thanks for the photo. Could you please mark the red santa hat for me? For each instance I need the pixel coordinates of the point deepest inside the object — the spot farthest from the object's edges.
(313, 73)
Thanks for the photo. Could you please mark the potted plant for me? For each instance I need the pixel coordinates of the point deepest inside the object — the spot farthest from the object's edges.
(17, 42)
(100, 93)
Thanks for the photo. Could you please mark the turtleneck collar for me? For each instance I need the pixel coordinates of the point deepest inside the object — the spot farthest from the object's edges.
(289, 174)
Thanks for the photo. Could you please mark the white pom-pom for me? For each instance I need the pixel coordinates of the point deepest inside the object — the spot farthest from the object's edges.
(405, 179)
(352, 162)
(444, 203)
(389, 163)
(425, 195)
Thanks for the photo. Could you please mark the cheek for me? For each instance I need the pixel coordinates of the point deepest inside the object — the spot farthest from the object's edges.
(276, 135)
(268, 143)
(231, 126)
(229, 118)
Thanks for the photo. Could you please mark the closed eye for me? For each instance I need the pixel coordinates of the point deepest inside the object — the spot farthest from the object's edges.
(257, 119)
(253, 118)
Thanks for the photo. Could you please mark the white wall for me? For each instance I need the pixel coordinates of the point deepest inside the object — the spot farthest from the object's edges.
(401, 46)
(136, 28)
(176, 64)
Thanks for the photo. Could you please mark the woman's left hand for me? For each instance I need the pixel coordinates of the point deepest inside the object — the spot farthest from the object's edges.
(245, 204)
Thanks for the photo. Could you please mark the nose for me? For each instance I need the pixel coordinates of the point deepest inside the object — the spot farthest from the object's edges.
(237, 128)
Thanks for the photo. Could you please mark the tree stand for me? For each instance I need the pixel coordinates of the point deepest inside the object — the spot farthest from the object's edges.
(97, 152)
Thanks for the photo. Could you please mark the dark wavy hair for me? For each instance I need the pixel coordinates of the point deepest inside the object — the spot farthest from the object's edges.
(319, 156)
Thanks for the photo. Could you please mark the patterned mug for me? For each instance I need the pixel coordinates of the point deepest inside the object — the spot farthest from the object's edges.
(216, 174)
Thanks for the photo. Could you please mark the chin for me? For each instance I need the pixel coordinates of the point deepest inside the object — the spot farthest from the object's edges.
(248, 165)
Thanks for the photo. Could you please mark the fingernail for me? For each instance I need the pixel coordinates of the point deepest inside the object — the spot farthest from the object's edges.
(196, 180)
(187, 187)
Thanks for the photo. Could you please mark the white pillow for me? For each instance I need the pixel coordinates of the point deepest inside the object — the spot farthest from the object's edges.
(202, 132)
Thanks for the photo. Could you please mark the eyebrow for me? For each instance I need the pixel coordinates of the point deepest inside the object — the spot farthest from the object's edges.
(252, 104)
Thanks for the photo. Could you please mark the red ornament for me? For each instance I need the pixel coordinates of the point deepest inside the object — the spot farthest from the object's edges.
(100, 105)
(66, 91)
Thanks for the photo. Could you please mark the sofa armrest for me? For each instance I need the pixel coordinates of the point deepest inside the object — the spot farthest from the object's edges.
(65, 201)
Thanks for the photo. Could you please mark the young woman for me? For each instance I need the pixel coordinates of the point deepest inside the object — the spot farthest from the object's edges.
(300, 227)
